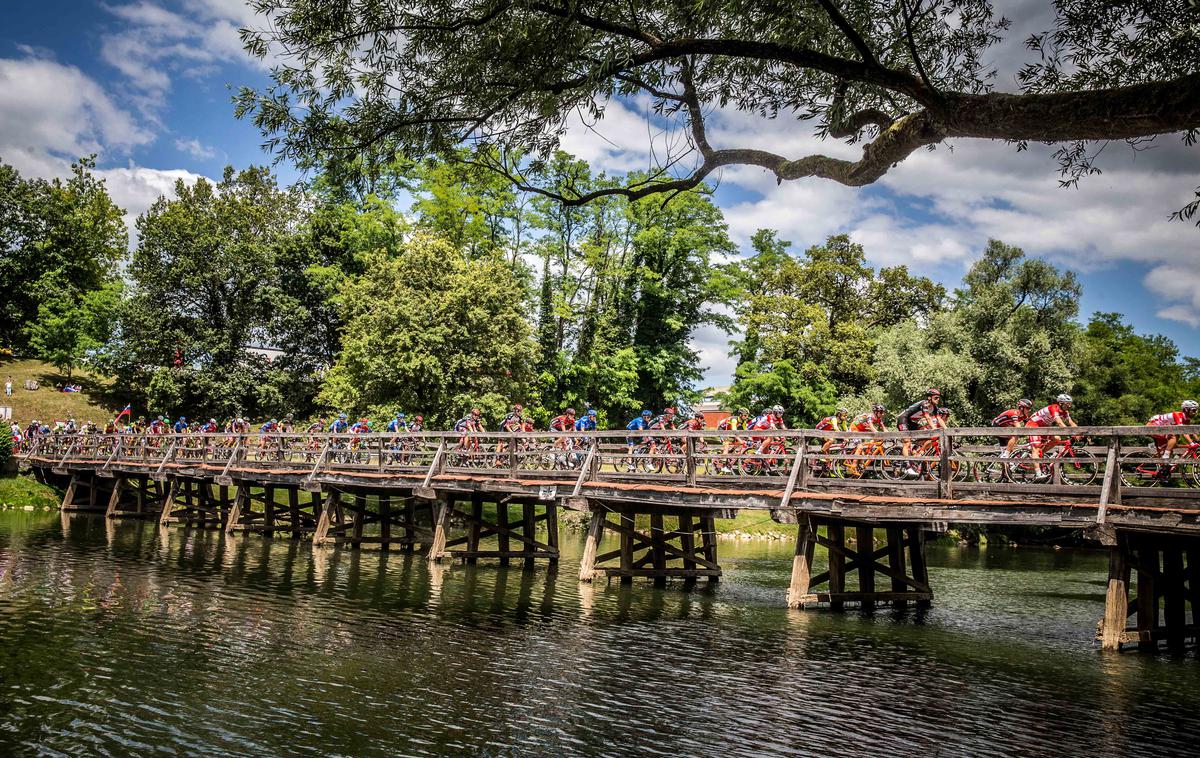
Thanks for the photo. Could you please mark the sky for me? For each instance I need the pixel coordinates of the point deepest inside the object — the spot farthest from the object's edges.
(147, 86)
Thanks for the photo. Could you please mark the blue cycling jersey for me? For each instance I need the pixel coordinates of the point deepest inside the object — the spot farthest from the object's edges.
(396, 425)
(637, 425)
(585, 424)
(339, 426)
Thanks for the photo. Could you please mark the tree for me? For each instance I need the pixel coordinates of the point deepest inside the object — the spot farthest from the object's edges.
(205, 292)
(59, 239)
(1124, 377)
(72, 329)
(421, 78)
(432, 331)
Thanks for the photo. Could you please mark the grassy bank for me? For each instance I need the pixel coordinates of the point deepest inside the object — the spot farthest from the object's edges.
(19, 491)
(96, 403)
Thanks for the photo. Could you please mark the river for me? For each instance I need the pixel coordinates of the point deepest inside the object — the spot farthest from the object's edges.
(119, 640)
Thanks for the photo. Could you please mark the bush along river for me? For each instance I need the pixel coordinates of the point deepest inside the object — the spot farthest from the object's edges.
(120, 640)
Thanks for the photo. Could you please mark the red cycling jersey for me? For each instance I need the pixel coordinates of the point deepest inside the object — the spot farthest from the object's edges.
(1047, 415)
(863, 422)
(1168, 419)
(694, 424)
(1009, 418)
(563, 423)
(829, 424)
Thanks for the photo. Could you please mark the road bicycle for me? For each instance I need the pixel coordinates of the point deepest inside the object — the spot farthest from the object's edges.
(1076, 465)
(770, 459)
(1146, 468)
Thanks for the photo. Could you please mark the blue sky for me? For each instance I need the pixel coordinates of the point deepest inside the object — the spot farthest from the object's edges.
(147, 85)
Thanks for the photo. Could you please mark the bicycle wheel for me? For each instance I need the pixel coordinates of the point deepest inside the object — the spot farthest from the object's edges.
(1079, 467)
(1142, 468)
(1023, 468)
(887, 467)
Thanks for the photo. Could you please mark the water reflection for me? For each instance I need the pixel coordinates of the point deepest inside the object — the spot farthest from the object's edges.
(133, 639)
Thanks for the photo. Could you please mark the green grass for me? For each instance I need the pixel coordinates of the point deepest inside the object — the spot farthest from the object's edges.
(755, 524)
(97, 403)
(18, 491)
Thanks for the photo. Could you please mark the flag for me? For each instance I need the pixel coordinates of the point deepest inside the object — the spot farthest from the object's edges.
(126, 412)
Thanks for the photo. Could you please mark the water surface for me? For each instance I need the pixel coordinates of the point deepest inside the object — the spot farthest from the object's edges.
(121, 640)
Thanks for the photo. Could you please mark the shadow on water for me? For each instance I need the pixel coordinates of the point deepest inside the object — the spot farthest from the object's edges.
(127, 639)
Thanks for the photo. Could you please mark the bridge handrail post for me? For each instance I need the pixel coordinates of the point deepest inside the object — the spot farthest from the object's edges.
(689, 446)
(585, 471)
(512, 454)
(798, 464)
(37, 441)
(945, 489)
(114, 454)
(1110, 491)
(169, 456)
(436, 464)
(233, 454)
(320, 460)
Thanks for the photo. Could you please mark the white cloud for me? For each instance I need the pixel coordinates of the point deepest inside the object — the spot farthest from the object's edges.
(52, 113)
(195, 148)
(1176, 283)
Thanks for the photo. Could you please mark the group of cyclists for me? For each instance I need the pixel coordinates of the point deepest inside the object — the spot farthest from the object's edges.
(645, 438)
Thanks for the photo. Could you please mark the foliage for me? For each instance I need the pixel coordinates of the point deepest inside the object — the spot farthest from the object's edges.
(205, 290)
(366, 81)
(1125, 378)
(70, 329)
(59, 240)
(6, 449)
(817, 315)
(431, 331)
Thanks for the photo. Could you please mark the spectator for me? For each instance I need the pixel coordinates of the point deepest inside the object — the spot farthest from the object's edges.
(8, 387)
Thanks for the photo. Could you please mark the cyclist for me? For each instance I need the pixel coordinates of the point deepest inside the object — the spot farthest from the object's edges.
(317, 426)
(417, 424)
(1058, 414)
(398, 424)
(587, 422)
(362, 426)
(1013, 417)
(208, 427)
(269, 427)
(694, 423)
(181, 426)
(664, 421)
(737, 422)
(340, 424)
(834, 423)
(943, 418)
(468, 425)
(638, 423)
(514, 421)
(869, 422)
(563, 423)
(914, 417)
(1164, 444)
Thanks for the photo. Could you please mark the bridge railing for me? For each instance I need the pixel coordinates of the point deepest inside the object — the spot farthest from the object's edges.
(1101, 461)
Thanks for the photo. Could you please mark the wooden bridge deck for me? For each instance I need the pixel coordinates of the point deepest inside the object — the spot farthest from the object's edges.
(409, 492)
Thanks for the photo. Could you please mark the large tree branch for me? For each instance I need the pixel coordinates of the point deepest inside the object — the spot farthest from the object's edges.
(835, 15)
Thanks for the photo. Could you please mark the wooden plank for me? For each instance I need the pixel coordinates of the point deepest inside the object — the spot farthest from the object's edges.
(472, 538)
(1147, 597)
(502, 539)
(865, 545)
(916, 556)
(1112, 482)
(801, 565)
(115, 498)
(895, 538)
(1174, 612)
(837, 561)
(595, 531)
(798, 465)
(529, 531)
(658, 554)
(441, 523)
(235, 510)
(626, 548)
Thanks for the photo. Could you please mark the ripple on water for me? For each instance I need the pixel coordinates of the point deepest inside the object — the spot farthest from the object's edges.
(127, 642)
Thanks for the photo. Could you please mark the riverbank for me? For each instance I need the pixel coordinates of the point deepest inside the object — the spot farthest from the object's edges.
(21, 491)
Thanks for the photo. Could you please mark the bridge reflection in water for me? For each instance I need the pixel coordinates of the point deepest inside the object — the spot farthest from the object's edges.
(499, 497)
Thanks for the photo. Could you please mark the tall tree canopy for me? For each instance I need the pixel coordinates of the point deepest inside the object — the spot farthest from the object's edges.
(419, 77)
(205, 290)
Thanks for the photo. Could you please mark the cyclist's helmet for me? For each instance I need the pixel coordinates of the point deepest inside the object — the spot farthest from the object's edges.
(517, 408)
(591, 412)
(476, 412)
(943, 411)
(400, 415)
(1064, 399)
(1024, 403)
(933, 392)
(273, 421)
(212, 421)
(570, 411)
(668, 411)
(777, 409)
(341, 417)
(842, 412)
(183, 419)
(647, 414)
(420, 418)
(743, 412)
(1189, 407)
(878, 409)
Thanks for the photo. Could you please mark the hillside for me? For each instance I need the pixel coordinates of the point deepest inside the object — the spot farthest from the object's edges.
(97, 402)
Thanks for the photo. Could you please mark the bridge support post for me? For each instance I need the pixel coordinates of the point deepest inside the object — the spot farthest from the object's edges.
(299, 517)
(522, 529)
(658, 553)
(83, 493)
(901, 560)
(190, 501)
(1166, 574)
(130, 496)
(357, 517)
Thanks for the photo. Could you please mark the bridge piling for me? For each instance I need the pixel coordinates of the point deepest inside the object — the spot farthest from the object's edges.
(657, 553)
(479, 527)
(1166, 573)
(905, 566)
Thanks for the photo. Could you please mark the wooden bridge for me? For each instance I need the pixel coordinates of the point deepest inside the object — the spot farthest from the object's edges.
(857, 497)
